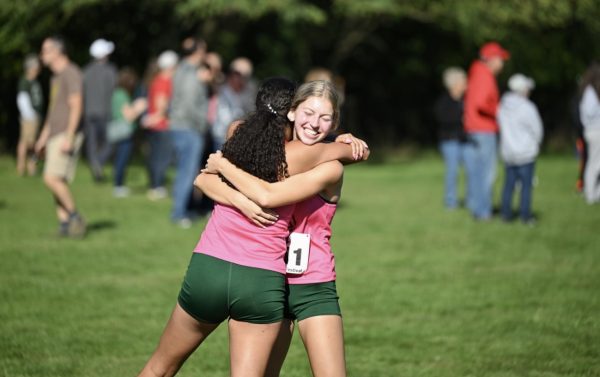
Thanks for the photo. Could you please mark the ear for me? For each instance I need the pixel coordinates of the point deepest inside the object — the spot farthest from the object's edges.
(291, 115)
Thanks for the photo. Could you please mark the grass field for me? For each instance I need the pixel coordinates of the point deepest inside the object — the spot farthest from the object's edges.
(424, 291)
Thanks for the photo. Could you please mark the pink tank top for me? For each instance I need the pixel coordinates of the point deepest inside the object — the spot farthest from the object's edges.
(314, 216)
(230, 236)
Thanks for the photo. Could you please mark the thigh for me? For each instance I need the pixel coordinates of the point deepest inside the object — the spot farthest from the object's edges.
(250, 346)
(182, 335)
(323, 338)
(449, 150)
(280, 348)
(180, 144)
(29, 129)
(73, 157)
(511, 174)
(56, 162)
(526, 174)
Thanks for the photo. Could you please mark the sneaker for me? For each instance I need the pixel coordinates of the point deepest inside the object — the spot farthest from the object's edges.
(120, 191)
(157, 193)
(531, 221)
(77, 227)
(63, 229)
(184, 223)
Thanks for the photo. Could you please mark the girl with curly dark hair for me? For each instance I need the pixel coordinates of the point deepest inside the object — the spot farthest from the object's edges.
(312, 295)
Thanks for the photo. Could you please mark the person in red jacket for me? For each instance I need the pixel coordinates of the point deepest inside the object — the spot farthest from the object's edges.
(481, 102)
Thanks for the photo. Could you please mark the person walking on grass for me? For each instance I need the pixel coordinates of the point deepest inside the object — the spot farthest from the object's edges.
(60, 136)
(30, 102)
(521, 133)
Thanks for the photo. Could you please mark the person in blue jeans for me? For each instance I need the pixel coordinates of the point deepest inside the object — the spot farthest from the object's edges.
(481, 104)
(124, 110)
(449, 113)
(188, 125)
(521, 133)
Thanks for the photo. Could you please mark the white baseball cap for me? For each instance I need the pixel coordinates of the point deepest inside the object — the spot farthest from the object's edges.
(101, 48)
(520, 83)
(167, 59)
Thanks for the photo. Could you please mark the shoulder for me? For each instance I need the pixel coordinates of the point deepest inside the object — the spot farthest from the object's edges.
(233, 126)
(161, 82)
(72, 72)
(331, 171)
(295, 145)
(531, 107)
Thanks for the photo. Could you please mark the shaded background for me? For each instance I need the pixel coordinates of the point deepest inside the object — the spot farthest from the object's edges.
(391, 53)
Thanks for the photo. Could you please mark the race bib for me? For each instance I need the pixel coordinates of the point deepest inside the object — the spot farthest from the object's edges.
(298, 251)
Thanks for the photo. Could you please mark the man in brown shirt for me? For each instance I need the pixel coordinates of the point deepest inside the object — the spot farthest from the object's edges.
(60, 136)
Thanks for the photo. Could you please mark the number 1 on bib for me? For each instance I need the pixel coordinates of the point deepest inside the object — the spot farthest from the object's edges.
(298, 252)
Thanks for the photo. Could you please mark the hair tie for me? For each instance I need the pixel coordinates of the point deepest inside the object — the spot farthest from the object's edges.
(271, 109)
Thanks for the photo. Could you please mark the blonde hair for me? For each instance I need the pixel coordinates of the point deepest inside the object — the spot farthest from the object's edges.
(452, 75)
(319, 88)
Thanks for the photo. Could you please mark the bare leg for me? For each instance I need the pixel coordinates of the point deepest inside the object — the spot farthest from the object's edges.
(62, 193)
(250, 345)
(61, 212)
(323, 338)
(21, 157)
(31, 165)
(280, 349)
(182, 335)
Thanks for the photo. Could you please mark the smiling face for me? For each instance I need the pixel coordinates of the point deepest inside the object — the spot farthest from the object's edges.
(313, 119)
(314, 111)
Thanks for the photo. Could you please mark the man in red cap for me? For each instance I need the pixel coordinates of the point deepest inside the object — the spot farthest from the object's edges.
(481, 101)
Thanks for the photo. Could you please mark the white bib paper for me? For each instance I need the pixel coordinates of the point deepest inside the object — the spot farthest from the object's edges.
(298, 253)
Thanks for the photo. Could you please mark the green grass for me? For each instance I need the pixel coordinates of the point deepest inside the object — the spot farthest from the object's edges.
(424, 291)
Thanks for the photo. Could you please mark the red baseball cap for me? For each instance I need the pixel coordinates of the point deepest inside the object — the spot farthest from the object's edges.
(493, 49)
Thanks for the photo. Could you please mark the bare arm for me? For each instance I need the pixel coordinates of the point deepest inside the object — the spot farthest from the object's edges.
(301, 157)
(220, 192)
(270, 195)
(75, 108)
(161, 105)
(43, 138)
(133, 110)
(213, 187)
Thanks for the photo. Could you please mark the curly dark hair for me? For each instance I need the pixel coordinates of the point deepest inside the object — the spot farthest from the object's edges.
(257, 146)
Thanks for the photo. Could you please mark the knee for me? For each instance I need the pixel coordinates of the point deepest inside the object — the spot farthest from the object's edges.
(49, 181)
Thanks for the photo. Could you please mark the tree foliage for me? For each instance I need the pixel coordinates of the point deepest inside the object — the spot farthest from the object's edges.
(391, 52)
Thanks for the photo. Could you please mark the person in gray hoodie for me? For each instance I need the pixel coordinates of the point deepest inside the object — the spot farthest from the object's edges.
(521, 133)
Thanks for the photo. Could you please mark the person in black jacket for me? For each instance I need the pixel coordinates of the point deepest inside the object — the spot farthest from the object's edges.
(449, 115)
